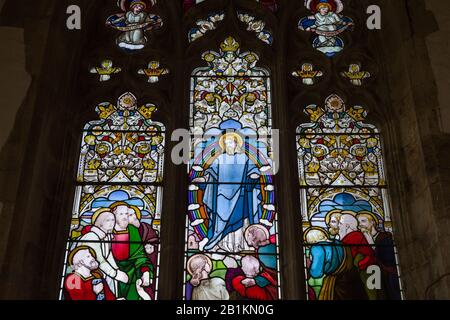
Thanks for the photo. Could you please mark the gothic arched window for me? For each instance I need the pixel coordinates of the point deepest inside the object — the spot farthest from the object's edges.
(231, 231)
(114, 236)
(349, 247)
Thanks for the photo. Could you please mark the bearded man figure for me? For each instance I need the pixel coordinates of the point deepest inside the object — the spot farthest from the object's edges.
(149, 238)
(98, 238)
(362, 253)
(86, 282)
(129, 253)
(384, 253)
(332, 221)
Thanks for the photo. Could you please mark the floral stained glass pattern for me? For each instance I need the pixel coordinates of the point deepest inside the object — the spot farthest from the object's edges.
(113, 246)
(231, 236)
(345, 209)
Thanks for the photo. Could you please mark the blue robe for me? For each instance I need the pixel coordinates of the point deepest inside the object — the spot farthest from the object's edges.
(325, 258)
(231, 196)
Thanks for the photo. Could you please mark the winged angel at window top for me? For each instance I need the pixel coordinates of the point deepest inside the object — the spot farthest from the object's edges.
(133, 23)
(327, 23)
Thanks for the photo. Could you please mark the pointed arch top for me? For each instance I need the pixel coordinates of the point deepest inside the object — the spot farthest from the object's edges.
(336, 118)
(230, 62)
(126, 115)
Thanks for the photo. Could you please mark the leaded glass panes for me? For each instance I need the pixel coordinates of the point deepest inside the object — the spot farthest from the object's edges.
(113, 246)
(231, 236)
(348, 242)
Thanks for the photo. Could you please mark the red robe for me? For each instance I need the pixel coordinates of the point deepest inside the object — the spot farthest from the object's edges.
(268, 292)
(78, 288)
(359, 245)
(121, 248)
(149, 236)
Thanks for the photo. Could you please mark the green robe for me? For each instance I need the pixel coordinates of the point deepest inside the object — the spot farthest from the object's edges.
(132, 266)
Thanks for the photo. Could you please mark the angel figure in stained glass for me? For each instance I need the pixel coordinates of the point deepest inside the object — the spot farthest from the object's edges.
(153, 72)
(105, 70)
(327, 23)
(133, 23)
(355, 74)
(307, 74)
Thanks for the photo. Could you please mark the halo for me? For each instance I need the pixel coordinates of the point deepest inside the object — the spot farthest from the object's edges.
(323, 4)
(334, 5)
(256, 226)
(329, 214)
(208, 261)
(234, 135)
(137, 212)
(352, 213)
(98, 213)
(118, 204)
(136, 2)
(76, 250)
(371, 214)
(314, 228)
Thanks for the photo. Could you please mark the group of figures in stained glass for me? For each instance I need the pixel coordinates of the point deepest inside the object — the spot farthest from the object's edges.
(113, 246)
(231, 241)
(345, 213)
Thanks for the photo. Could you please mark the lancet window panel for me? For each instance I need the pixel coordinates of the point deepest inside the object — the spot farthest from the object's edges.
(231, 227)
(113, 247)
(349, 248)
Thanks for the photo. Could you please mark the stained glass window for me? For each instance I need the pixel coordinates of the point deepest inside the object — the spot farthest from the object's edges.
(231, 225)
(349, 247)
(113, 246)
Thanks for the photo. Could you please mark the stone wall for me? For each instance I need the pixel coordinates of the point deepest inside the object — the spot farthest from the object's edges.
(438, 44)
(23, 30)
(15, 79)
(418, 148)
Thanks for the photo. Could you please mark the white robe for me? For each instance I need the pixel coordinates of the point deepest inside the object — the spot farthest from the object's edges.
(224, 198)
(328, 22)
(210, 289)
(133, 39)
